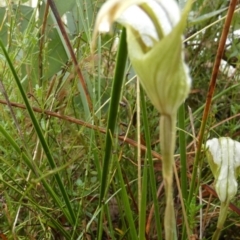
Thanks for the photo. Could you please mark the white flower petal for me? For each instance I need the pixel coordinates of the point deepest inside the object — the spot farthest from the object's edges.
(104, 26)
(128, 13)
(224, 151)
(168, 14)
(225, 154)
(135, 17)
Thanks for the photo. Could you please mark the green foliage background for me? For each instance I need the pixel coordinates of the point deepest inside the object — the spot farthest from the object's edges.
(53, 144)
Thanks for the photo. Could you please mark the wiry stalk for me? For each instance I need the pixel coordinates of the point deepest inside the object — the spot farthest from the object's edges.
(167, 143)
(221, 220)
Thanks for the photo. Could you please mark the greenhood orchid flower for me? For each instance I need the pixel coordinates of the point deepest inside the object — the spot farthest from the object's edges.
(224, 159)
(154, 37)
(223, 155)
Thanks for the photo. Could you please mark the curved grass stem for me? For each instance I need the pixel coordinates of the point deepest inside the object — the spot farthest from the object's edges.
(167, 143)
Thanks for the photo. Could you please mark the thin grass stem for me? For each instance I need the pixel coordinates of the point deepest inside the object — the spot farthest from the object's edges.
(182, 145)
(151, 171)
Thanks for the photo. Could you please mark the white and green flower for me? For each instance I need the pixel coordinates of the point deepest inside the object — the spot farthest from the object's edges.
(154, 37)
(155, 48)
(224, 159)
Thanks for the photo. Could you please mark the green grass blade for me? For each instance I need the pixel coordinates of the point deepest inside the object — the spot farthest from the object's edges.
(126, 204)
(17, 148)
(183, 157)
(52, 222)
(34, 168)
(151, 167)
(44, 144)
(112, 117)
(143, 206)
(217, 96)
(182, 145)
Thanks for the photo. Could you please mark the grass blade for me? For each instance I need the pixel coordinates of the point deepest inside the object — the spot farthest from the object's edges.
(71, 217)
(151, 167)
(112, 117)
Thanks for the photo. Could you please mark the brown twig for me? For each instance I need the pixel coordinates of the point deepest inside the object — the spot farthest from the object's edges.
(82, 123)
(216, 66)
(70, 49)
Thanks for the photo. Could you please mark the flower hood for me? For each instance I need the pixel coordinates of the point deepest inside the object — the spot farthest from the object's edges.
(154, 37)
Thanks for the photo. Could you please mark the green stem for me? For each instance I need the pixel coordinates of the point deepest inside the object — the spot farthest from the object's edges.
(183, 159)
(183, 156)
(167, 143)
(221, 220)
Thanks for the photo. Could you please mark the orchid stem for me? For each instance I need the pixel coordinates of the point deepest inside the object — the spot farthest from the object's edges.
(221, 220)
(167, 143)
